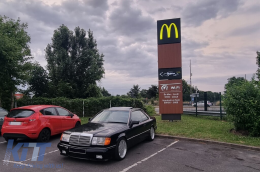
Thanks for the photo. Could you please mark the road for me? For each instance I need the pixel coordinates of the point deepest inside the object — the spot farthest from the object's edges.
(160, 155)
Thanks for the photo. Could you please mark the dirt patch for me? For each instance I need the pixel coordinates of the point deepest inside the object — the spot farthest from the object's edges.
(240, 132)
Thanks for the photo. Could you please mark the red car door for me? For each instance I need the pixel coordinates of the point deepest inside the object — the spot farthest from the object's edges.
(53, 119)
(68, 122)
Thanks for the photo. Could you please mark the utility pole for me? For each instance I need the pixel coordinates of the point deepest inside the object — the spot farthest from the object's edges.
(190, 79)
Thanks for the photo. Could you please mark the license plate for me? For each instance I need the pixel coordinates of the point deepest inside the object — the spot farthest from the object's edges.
(15, 123)
(78, 150)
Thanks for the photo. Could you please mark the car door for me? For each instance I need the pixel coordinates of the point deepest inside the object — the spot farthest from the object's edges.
(136, 130)
(146, 124)
(68, 122)
(53, 118)
(145, 128)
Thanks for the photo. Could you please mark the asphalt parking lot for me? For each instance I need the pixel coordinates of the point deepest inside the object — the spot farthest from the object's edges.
(159, 155)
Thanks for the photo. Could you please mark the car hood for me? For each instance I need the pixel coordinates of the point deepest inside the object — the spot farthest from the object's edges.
(98, 128)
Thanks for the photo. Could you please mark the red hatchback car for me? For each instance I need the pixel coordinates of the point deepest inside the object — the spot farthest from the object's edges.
(38, 122)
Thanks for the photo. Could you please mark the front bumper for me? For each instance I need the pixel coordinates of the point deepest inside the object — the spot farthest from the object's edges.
(86, 152)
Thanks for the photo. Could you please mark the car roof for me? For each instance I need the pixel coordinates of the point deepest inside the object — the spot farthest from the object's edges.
(35, 107)
(120, 108)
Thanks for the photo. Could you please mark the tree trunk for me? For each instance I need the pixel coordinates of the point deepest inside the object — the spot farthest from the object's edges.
(12, 98)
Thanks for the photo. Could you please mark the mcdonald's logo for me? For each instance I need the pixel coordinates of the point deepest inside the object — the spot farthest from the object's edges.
(169, 31)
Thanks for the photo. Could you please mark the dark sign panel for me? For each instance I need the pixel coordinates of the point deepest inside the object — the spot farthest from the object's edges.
(169, 31)
(170, 73)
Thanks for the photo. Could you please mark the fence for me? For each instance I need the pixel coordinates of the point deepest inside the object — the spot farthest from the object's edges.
(84, 107)
(213, 109)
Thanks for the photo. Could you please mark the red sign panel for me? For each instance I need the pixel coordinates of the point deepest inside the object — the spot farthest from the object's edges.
(170, 97)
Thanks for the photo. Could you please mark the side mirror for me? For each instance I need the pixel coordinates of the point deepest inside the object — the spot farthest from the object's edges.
(89, 119)
(71, 115)
(133, 123)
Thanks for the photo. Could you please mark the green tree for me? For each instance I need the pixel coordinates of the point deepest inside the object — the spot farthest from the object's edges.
(258, 65)
(105, 93)
(14, 60)
(242, 105)
(143, 93)
(185, 87)
(234, 81)
(134, 92)
(74, 60)
(152, 91)
(38, 81)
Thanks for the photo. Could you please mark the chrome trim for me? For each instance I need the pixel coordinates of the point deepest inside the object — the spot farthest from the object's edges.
(138, 134)
(78, 140)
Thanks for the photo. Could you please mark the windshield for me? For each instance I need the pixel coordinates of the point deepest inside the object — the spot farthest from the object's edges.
(20, 113)
(110, 116)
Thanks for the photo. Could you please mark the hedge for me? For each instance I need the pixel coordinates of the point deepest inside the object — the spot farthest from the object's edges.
(91, 105)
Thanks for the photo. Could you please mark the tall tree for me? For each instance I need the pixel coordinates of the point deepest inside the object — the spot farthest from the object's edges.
(234, 81)
(14, 63)
(38, 81)
(143, 93)
(134, 92)
(258, 65)
(152, 91)
(74, 60)
(105, 93)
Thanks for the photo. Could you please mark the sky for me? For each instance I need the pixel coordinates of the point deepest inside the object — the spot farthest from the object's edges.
(219, 37)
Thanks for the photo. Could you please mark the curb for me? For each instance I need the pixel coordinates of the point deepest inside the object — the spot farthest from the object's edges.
(209, 141)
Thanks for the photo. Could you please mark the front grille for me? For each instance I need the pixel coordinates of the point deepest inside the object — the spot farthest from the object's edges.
(79, 140)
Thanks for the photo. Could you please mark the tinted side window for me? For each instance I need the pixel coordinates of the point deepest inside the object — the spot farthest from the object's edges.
(62, 112)
(49, 111)
(136, 116)
(143, 116)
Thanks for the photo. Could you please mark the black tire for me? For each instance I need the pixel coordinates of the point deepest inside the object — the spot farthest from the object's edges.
(119, 157)
(151, 134)
(77, 124)
(44, 135)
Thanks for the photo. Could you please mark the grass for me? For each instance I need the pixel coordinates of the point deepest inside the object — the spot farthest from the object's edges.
(201, 127)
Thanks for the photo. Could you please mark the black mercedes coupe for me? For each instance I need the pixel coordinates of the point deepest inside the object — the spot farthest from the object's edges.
(108, 134)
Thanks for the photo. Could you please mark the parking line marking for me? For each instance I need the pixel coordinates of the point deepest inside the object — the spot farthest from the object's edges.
(2, 142)
(15, 162)
(139, 162)
(41, 155)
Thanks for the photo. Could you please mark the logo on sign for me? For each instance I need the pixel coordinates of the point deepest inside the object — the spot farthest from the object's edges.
(173, 87)
(170, 73)
(169, 30)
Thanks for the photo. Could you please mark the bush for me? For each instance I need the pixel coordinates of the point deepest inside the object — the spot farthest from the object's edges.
(242, 105)
(91, 105)
(149, 109)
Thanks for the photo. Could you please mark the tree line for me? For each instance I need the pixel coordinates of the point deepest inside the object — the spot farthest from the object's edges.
(74, 64)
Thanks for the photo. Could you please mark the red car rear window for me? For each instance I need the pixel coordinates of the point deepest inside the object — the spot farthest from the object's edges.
(20, 113)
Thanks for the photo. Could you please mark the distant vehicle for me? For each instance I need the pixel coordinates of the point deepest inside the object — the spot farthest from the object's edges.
(201, 103)
(38, 122)
(109, 134)
(3, 112)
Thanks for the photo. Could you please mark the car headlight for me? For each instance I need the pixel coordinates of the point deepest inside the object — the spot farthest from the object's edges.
(65, 137)
(101, 141)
